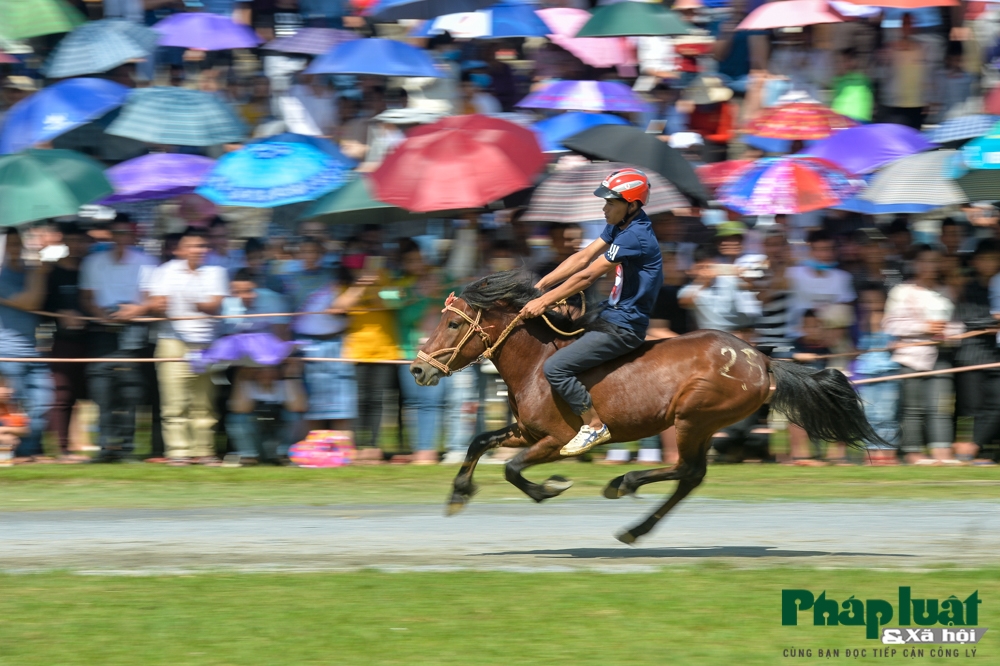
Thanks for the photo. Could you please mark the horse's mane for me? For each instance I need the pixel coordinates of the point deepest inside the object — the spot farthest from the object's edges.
(514, 289)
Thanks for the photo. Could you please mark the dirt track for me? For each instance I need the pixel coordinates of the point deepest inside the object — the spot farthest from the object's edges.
(510, 535)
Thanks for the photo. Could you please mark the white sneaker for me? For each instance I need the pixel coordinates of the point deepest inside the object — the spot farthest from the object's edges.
(585, 440)
(453, 458)
(650, 456)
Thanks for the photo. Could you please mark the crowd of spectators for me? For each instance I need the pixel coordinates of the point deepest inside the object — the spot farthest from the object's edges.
(829, 289)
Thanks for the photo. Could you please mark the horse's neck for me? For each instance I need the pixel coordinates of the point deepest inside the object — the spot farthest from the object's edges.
(519, 359)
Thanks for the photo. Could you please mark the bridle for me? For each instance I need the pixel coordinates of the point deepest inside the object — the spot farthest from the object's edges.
(474, 328)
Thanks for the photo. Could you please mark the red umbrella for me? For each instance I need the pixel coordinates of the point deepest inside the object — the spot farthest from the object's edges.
(906, 4)
(459, 162)
(718, 174)
(803, 121)
(991, 104)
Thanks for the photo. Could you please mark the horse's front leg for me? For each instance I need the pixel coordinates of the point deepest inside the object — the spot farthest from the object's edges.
(544, 451)
(463, 488)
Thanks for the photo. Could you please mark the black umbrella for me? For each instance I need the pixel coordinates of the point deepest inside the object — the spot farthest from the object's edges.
(625, 143)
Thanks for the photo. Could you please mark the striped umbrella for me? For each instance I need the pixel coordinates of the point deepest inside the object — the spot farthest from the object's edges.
(99, 46)
(568, 197)
(787, 185)
(803, 121)
(718, 174)
(917, 179)
(178, 117)
(23, 19)
(962, 128)
(311, 41)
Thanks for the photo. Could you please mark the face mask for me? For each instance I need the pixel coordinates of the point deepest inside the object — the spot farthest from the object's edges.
(819, 265)
(481, 80)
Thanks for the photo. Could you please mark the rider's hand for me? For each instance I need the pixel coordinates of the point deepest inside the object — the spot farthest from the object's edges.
(534, 308)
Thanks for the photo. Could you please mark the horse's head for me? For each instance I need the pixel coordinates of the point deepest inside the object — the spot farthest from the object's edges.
(458, 340)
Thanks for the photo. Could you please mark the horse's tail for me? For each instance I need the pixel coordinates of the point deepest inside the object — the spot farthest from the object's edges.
(823, 403)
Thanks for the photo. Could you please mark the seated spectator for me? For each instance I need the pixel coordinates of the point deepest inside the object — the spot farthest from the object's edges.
(265, 405)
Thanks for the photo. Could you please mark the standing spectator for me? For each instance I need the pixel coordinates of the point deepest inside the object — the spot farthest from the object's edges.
(423, 406)
(874, 266)
(68, 341)
(249, 298)
(186, 287)
(818, 281)
(331, 386)
(775, 297)
(716, 293)
(110, 290)
(22, 289)
(956, 84)
(921, 310)
(907, 78)
(852, 89)
(221, 252)
(881, 399)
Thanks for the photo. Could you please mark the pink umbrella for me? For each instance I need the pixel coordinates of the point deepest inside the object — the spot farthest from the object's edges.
(594, 51)
(789, 14)
(7, 59)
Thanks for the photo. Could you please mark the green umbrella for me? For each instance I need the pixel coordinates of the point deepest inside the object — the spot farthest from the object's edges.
(22, 19)
(39, 184)
(630, 19)
(354, 204)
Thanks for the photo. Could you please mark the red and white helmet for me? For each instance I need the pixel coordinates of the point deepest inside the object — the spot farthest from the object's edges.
(627, 184)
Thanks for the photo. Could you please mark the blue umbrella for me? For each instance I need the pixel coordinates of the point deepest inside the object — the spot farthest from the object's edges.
(393, 10)
(266, 175)
(323, 145)
(962, 128)
(378, 57)
(984, 152)
(99, 46)
(552, 131)
(55, 110)
(502, 20)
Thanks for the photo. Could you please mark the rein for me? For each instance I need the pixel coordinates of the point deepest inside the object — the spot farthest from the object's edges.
(476, 328)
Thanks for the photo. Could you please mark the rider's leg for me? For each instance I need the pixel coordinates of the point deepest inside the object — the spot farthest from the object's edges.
(562, 368)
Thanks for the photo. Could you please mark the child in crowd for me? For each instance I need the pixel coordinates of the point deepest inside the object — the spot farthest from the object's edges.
(13, 424)
(881, 399)
(264, 408)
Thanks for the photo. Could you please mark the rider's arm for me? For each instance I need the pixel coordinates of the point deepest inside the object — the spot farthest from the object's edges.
(580, 280)
(573, 265)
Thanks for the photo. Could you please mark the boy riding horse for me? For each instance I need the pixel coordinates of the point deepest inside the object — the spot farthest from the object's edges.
(628, 245)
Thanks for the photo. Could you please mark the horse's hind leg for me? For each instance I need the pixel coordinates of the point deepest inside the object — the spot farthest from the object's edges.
(544, 451)
(463, 488)
(684, 488)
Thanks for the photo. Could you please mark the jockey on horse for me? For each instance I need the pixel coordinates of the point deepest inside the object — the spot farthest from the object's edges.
(628, 246)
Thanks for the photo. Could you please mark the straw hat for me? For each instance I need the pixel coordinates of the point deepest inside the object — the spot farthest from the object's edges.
(707, 90)
(22, 83)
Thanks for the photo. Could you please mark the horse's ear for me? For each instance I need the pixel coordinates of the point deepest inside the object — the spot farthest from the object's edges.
(451, 299)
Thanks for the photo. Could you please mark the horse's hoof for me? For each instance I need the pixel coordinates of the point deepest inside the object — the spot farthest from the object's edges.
(456, 504)
(614, 489)
(557, 484)
(627, 538)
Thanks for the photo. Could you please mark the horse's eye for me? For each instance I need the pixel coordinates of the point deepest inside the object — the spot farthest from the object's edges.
(453, 324)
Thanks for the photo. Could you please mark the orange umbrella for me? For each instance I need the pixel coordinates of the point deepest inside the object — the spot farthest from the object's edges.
(718, 174)
(803, 121)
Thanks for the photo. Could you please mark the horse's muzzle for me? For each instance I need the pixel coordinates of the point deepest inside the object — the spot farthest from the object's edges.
(424, 374)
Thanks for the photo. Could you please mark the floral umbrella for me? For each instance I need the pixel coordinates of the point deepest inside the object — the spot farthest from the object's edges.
(718, 174)
(787, 185)
(803, 121)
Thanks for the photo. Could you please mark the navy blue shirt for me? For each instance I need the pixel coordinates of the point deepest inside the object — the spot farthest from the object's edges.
(638, 274)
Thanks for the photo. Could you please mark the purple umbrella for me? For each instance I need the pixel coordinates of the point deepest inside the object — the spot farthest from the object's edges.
(205, 32)
(585, 96)
(865, 148)
(156, 176)
(258, 348)
(311, 41)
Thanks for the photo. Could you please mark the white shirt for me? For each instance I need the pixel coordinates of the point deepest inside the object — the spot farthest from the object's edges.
(184, 289)
(111, 281)
(812, 290)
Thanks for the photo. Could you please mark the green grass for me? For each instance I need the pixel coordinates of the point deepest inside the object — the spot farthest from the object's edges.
(155, 486)
(711, 615)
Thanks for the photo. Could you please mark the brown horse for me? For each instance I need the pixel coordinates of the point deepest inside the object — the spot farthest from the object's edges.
(699, 382)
